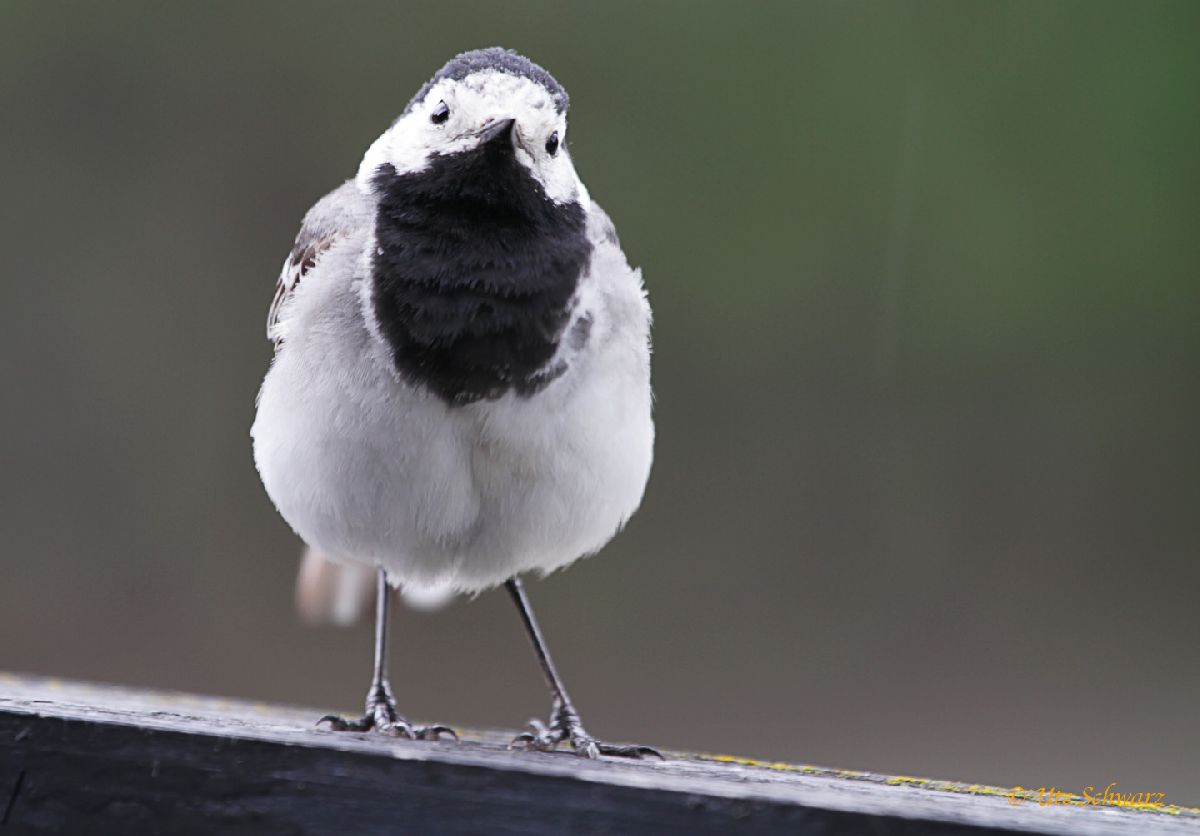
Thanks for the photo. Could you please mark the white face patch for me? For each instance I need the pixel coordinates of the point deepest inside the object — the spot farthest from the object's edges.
(473, 102)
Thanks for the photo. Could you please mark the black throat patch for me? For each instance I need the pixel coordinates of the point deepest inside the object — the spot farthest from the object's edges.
(473, 273)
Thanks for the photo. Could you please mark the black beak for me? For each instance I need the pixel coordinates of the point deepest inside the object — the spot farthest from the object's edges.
(496, 131)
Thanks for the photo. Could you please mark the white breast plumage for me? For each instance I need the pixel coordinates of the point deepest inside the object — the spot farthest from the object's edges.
(369, 467)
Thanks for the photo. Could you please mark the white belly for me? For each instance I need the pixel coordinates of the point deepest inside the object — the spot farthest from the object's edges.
(365, 467)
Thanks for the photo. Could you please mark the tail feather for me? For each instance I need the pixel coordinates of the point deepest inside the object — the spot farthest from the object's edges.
(331, 592)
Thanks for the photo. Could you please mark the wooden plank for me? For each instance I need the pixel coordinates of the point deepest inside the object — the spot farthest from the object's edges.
(78, 758)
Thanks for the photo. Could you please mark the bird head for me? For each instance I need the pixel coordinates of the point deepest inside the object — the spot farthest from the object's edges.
(486, 116)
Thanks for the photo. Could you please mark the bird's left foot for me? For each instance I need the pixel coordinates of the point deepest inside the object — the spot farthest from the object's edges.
(565, 725)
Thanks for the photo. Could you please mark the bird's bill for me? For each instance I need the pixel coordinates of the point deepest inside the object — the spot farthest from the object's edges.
(495, 129)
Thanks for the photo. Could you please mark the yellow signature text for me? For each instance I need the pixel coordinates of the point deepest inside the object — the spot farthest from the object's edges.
(1109, 796)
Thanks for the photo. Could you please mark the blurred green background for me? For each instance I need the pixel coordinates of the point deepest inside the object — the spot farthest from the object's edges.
(926, 279)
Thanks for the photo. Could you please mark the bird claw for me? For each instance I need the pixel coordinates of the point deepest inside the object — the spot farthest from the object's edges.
(539, 738)
(566, 726)
(396, 727)
(381, 717)
(622, 750)
(434, 732)
(337, 723)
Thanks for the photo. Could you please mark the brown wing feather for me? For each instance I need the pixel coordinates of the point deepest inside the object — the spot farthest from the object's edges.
(341, 213)
(300, 261)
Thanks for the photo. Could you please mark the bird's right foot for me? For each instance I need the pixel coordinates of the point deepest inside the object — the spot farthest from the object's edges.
(381, 717)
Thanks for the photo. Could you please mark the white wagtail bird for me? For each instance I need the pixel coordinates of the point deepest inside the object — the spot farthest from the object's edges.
(460, 391)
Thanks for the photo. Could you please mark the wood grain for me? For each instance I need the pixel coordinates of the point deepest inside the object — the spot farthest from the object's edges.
(77, 758)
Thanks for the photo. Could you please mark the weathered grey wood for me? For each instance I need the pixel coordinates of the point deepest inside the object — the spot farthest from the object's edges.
(80, 758)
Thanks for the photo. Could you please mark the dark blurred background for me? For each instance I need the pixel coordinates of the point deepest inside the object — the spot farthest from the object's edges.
(926, 279)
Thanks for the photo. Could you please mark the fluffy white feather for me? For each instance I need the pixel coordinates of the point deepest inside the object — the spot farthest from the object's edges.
(367, 467)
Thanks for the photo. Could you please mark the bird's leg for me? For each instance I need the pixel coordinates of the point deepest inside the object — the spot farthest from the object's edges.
(381, 713)
(564, 719)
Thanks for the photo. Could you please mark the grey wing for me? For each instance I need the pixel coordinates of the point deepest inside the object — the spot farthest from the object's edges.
(340, 214)
(612, 296)
(600, 227)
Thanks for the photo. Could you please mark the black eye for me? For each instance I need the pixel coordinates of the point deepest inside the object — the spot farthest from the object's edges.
(440, 114)
(552, 144)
